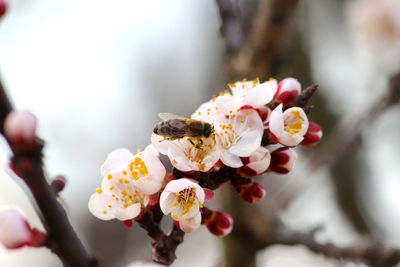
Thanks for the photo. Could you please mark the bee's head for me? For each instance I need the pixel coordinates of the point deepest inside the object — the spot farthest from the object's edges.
(208, 129)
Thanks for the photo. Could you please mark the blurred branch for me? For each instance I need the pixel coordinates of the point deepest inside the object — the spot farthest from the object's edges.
(62, 239)
(264, 49)
(350, 128)
(231, 27)
(367, 251)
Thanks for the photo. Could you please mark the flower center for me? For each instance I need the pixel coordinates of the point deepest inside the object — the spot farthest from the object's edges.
(197, 151)
(138, 168)
(294, 124)
(187, 199)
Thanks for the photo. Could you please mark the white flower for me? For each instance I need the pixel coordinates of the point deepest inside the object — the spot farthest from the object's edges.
(183, 199)
(245, 93)
(117, 199)
(144, 169)
(127, 181)
(186, 154)
(238, 134)
(288, 127)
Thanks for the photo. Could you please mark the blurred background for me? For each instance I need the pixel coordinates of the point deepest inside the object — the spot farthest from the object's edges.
(97, 73)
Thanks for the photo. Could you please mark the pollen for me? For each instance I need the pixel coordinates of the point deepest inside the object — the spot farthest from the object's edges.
(297, 114)
(124, 172)
(138, 168)
(295, 127)
(109, 176)
(110, 206)
(104, 211)
(112, 188)
(98, 190)
(176, 218)
(231, 85)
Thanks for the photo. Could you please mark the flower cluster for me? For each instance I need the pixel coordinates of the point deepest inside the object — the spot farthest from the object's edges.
(254, 127)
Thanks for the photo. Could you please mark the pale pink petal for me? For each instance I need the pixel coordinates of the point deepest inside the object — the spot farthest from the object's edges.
(179, 159)
(276, 124)
(160, 144)
(122, 213)
(230, 159)
(152, 183)
(14, 229)
(20, 125)
(118, 159)
(189, 225)
(99, 206)
(247, 144)
(166, 201)
(261, 94)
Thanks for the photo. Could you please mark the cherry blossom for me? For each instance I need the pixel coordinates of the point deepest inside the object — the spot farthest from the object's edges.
(188, 154)
(127, 181)
(183, 199)
(238, 135)
(290, 126)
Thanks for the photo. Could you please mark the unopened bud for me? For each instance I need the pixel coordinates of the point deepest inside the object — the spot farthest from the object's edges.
(313, 135)
(20, 129)
(264, 112)
(218, 223)
(58, 183)
(15, 231)
(288, 89)
(249, 190)
(255, 164)
(282, 160)
(3, 7)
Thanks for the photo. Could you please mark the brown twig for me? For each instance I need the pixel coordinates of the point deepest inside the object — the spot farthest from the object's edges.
(367, 251)
(163, 246)
(62, 239)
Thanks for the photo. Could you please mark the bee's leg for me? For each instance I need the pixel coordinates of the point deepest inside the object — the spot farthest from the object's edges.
(191, 141)
(168, 138)
(201, 141)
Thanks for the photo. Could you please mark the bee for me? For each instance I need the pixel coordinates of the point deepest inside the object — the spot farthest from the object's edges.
(175, 127)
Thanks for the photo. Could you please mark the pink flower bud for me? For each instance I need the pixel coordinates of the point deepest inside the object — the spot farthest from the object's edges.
(20, 128)
(288, 89)
(313, 135)
(255, 164)
(218, 223)
(264, 112)
(58, 183)
(249, 190)
(15, 231)
(3, 7)
(282, 160)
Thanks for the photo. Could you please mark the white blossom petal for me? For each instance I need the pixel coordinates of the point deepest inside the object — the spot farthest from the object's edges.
(118, 159)
(261, 94)
(189, 225)
(99, 206)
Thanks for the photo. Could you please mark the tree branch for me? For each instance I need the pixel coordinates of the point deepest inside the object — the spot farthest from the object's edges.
(62, 239)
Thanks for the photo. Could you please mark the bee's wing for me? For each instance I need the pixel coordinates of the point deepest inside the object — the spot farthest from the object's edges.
(169, 116)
